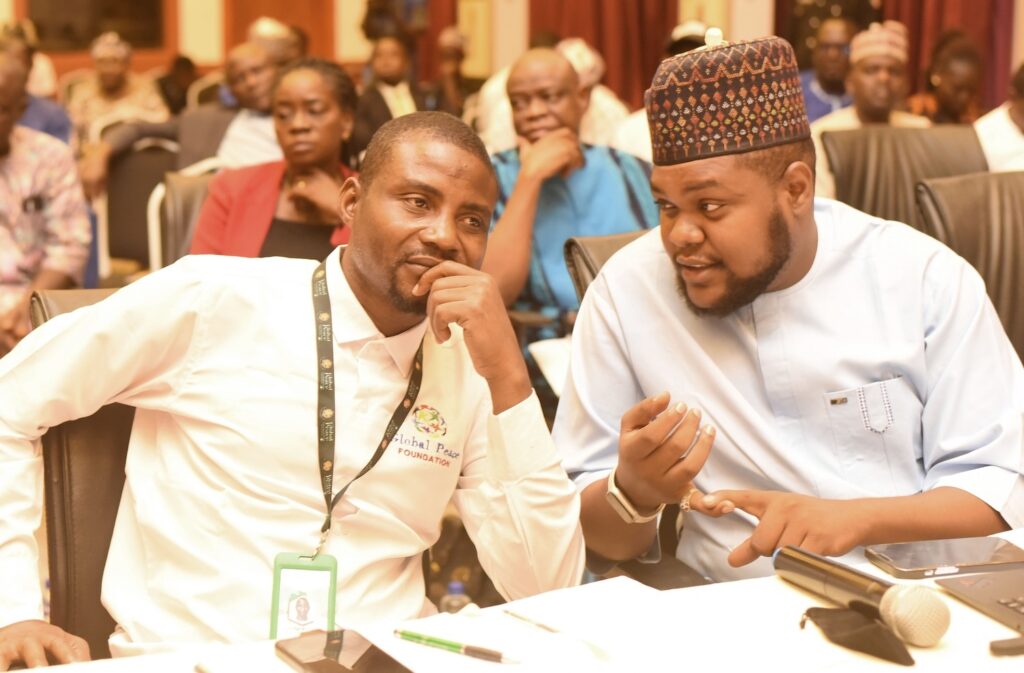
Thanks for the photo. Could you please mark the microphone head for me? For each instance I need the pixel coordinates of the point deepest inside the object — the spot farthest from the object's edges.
(915, 613)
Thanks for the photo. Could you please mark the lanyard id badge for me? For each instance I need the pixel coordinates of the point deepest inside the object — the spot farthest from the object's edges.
(308, 583)
(304, 594)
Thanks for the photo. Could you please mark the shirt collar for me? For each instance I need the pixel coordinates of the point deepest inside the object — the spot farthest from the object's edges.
(352, 324)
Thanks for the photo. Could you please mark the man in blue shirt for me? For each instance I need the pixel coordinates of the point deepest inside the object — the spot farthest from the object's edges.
(825, 85)
(552, 187)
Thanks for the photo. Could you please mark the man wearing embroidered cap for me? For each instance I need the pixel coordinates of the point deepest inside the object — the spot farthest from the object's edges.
(829, 379)
(877, 81)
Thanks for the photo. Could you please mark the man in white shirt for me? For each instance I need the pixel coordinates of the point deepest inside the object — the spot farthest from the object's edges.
(225, 368)
(836, 380)
(391, 94)
(242, 136)
(877, 80)
(1001, 131)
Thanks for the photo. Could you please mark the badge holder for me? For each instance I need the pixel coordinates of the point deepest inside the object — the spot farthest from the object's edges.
(304, 594)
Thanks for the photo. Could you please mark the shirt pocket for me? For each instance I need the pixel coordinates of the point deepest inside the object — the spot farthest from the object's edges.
(876, 432)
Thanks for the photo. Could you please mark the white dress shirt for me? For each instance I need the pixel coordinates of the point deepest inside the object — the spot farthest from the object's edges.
(217, 355)
(249, 140)
(884, 371)
(398, 98)
(1001, 140)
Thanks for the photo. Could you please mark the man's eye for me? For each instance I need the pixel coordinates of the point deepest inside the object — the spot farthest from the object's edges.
(710, 207)
(664, 206)
(417, 202)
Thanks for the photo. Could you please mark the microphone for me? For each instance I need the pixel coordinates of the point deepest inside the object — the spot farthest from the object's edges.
(915, 613)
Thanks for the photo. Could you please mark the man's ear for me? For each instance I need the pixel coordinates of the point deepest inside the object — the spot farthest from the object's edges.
(798, 183)
(348, 201)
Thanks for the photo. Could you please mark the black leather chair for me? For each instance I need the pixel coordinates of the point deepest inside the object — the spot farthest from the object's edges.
(131, 179)
(981, 217)
(83, 466)
(172, 214)
(584, 256)
(877, 168)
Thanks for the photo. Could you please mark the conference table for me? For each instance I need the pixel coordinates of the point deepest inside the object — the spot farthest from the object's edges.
(731, 626)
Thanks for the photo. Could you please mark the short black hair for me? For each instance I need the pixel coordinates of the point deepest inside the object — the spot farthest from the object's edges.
(436, 125)
(772, 162)
(342, 88)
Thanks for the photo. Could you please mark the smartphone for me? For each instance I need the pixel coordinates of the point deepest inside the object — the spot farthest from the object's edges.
(313, 652)
(933, 558)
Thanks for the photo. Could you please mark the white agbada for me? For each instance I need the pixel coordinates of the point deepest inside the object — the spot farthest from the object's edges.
(884, 371)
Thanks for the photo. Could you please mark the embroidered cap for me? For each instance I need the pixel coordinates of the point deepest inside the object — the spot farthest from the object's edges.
(725, 99)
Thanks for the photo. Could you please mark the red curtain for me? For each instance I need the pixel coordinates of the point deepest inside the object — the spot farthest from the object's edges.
(988, 22)
(629, 34)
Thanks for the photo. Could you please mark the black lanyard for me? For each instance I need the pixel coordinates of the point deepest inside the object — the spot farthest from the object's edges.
(325, 400)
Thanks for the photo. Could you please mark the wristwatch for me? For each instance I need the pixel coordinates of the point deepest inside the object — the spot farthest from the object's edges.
(624, 507)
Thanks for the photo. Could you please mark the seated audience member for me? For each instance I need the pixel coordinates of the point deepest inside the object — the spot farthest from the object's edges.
(553, 187)
(113, 89)
(851, 373)
(238, 137)
(632, 134)
(878, 83)
(391, 93)
(284, 43)
(604, 111)
(1001, 131)
(232, 449)
(174, 85)
(452, 87)
(824, 84)
(287, 208)
(41, 114)
(44, 242)
(491, 116)
(953, 80)
(42, 76)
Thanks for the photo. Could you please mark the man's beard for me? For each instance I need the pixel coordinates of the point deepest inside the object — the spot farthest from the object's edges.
(416, 305)
(742, 291)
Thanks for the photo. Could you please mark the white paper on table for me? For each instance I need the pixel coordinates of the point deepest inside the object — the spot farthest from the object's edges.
(594, 632)
(552, 357)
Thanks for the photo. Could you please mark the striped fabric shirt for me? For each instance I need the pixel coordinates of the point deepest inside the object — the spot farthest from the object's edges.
(43, 219)
(611, 194)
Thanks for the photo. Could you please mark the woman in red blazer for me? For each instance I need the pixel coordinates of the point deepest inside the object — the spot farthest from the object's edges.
(287, 208)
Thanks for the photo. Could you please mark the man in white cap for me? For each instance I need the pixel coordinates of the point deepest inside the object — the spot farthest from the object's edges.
(633, 135)
(878, 83)
(114, 89)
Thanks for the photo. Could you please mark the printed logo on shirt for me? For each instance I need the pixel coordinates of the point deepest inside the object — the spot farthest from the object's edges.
(429, 421)
(425, 444)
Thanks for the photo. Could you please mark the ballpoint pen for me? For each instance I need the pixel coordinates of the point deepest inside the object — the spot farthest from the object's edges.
(452, 646)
